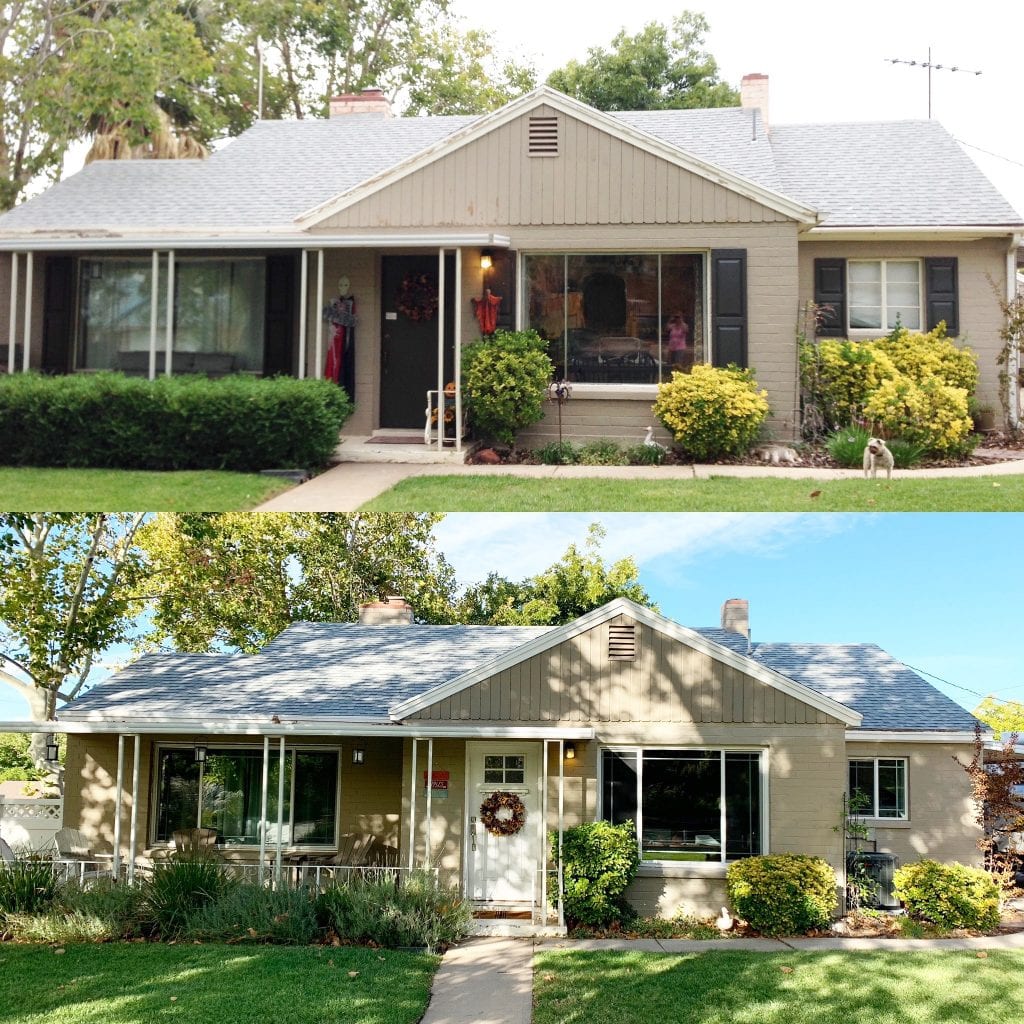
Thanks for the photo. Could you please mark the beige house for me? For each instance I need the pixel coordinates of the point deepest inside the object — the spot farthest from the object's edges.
(636, 243)
(716, 747)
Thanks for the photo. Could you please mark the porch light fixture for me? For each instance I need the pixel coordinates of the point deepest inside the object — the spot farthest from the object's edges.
(52, 752)
(358, 755)
(486, 259)
(199, 753)
(570, 751)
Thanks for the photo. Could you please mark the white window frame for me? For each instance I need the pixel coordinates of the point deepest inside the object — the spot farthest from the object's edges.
(872, 812)
(586, 389)
(638, 751)
(874, 332)
(290, 751)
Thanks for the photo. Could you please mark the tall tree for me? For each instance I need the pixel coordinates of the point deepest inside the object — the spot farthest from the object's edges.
(1004, 716)
(67, 593)
(662, 67)
(580, 581)
(235, 580)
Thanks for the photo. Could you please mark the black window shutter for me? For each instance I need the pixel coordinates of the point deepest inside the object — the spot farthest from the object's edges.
(729, 307)
(941, 294)
(830, 297)
(58, 313)
(279, 327)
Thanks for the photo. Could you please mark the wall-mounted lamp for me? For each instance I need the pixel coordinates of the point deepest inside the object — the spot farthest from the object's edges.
(358, 755)
(570, 751)
(52, 752)
(486, 259)
(199, 754)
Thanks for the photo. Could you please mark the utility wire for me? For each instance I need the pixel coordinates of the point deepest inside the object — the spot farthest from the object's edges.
(988, 152)
(966, 689)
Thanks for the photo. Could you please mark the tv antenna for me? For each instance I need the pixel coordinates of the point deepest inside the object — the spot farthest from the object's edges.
(930, 66)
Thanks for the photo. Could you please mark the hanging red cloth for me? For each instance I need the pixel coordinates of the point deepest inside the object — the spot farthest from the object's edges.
(486, 310)
(336, 354)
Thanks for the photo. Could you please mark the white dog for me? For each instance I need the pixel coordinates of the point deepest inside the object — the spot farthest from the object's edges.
(876, 455)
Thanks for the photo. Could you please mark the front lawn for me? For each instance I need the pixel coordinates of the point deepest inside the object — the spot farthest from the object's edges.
(112, 490)
(508, 493)
(778, 988)
(128, 983)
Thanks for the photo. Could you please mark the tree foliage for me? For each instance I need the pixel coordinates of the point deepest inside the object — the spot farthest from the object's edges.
(579, 582)
(1003, 716)
(662, 67)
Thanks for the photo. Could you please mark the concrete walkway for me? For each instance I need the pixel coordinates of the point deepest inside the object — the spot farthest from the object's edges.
(347, 486)
(490, 981)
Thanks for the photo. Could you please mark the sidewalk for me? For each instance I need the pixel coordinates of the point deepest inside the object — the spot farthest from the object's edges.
(345, 487)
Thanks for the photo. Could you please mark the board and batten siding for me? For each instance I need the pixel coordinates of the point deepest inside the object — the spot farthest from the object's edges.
(595, 179)
(576, 681)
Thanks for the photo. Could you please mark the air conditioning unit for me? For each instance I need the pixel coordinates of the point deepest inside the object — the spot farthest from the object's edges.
(878, 868)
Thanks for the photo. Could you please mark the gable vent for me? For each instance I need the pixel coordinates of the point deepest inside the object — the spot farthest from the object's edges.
(621, 642)
(543, 136)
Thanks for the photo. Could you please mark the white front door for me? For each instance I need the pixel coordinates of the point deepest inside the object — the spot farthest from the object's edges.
(504, 868)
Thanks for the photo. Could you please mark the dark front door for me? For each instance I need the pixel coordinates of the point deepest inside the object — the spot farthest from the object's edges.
(409, 316)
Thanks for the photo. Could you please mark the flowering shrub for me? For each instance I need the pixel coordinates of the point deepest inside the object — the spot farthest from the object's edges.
(505, 378)
(841, 375)
(710, 412)
(930, 414)
(929, 356)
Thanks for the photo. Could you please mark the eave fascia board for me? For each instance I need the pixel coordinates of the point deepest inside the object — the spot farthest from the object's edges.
(291, 240)
(573, 108)
(323, 727)
(908, 233)
(623, 606)
(910, 736)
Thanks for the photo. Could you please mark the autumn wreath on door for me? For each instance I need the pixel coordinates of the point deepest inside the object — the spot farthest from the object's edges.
(503, 814)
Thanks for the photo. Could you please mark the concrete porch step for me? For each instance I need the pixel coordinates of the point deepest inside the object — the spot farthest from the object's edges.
(362, 449)
(510, 928)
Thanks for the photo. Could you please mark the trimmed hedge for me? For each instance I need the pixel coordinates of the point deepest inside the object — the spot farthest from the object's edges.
(949, 895)
(599, 861)
(108, 420)
(783, 894)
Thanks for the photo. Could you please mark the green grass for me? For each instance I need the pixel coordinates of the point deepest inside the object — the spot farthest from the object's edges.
(753, 988)
(719, 494)
(113, 490)
(132, 983)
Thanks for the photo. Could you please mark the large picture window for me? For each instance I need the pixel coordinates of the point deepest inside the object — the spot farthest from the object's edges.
(611, 318)
(882, 290)
(878, 787)
(218, 314)
(688, 805)
(225, 793)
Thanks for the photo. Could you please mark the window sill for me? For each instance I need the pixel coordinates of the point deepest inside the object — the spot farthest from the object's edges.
(619, 392)
(877, 823)
(681, 869)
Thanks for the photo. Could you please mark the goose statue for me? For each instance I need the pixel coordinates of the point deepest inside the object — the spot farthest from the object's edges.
(724, 920)
(649, 441)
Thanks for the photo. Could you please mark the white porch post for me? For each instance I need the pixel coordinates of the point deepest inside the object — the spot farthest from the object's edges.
(544, 834)
(457, 353)
(318, 314)
(154, 311)
(280, 814)
(27, 336)
(12, 326)
(412, 808)
(561, 829)
(133, 828)
(263, 809)
(430, 795)
(118, 799)
(169, 334)
(440, 348)
(303, 311)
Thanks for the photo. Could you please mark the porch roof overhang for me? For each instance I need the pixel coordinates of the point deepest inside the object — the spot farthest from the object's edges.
(90, 242)
(299, 727)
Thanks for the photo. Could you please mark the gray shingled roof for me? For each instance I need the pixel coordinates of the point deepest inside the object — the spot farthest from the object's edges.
(901, 173)
(891, 173)
(342, 670)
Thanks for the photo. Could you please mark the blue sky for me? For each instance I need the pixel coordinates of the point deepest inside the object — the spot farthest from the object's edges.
(942, 592)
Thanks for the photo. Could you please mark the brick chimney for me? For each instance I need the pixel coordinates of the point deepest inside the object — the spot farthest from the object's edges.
(754, 96)
(392, 611)
(369, 101)
(736, 616)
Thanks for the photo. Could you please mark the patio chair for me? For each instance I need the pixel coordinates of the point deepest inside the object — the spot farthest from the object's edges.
(196, 841)
(72, 845)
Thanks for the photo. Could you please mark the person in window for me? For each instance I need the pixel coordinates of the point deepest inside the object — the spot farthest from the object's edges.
(678, 341)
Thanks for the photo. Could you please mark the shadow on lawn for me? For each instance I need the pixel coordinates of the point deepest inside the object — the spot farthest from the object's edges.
(756, 988)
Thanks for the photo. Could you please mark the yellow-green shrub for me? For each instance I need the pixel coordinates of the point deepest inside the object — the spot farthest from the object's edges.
(712, 412)
(949, 895)
(782, 894)
(930, 356)
(930, 413)
(840, 375)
